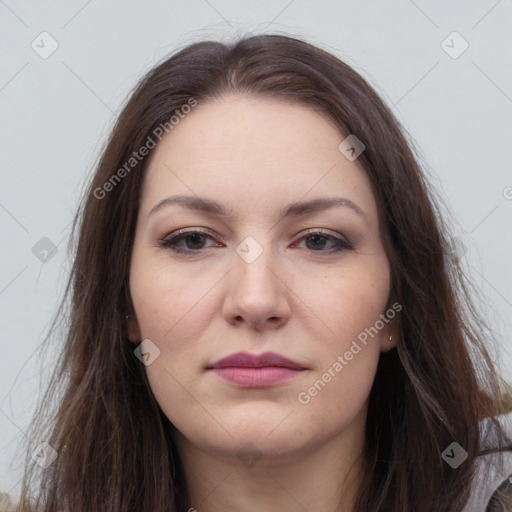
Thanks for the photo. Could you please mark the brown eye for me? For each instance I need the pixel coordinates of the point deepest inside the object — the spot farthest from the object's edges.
(190, 241)
(321, 242)
(317, 241)
(194, 241)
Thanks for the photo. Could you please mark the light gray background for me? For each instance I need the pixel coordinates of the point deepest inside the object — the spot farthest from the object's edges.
(55, 113)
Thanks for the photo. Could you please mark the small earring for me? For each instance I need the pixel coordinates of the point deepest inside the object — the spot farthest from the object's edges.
(127, 316)
(390, 338)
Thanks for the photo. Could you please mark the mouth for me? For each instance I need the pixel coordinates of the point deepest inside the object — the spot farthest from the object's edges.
(252, 370)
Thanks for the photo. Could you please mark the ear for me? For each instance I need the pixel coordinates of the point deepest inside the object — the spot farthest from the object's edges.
(132, 329)
(389, 337)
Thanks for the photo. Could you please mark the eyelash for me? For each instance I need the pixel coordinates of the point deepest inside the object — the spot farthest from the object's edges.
(169, 242)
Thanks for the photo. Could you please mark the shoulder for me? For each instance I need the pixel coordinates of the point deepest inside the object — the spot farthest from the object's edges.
(492, 471)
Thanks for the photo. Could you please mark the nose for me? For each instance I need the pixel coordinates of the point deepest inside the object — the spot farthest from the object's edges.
(256, 294)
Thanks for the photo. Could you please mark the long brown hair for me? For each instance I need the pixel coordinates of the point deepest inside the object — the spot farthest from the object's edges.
(115, 446)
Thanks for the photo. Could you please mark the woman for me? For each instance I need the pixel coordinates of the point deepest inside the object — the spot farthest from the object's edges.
(266, 311)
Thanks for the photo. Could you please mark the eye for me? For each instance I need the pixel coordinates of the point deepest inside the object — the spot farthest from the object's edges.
(193, 241)
(317, 241)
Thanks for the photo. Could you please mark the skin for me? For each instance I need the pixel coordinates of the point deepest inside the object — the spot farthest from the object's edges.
(298, 298)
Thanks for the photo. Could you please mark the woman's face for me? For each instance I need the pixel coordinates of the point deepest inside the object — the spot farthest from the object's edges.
(263, 267)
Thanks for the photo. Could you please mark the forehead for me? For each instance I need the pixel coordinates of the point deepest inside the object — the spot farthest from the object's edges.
(255, 152)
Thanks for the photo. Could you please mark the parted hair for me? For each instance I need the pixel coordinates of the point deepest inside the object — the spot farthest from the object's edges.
(115, 446)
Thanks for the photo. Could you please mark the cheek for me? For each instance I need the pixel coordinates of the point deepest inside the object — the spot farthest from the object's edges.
(348, 329)
(345, 301)
(173, 311)
(167, 301)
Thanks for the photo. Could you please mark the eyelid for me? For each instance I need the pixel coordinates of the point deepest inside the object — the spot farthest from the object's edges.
(342, 243)
(180, 234)
(325, 232)
(184, 231)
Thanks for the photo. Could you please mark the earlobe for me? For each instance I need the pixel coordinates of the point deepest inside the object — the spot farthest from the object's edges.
(388, 341)
(132, 329)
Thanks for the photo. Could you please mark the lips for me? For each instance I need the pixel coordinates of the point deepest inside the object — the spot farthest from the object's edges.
(247, 360)
(255, 371)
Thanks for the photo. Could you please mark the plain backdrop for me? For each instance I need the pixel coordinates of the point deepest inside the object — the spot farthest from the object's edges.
(452, 92)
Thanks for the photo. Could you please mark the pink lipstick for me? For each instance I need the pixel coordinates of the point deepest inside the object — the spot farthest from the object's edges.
(253, 370)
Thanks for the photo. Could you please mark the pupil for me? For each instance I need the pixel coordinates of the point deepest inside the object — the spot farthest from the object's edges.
(194, 239)
(316, 238)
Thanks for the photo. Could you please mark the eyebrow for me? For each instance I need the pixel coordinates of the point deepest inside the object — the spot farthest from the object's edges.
(212, 207)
